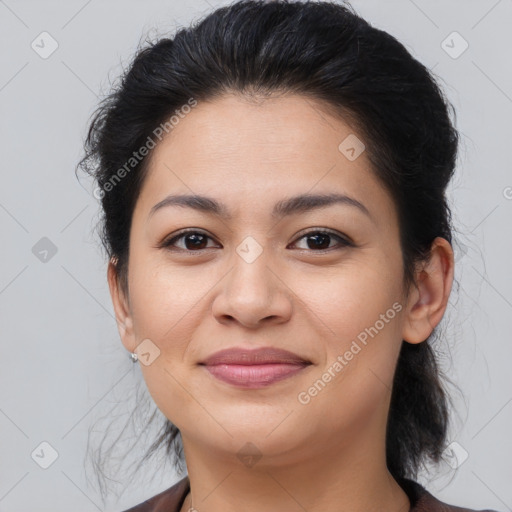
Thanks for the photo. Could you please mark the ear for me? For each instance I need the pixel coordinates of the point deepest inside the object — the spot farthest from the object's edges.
(428, 299)
(121, 307)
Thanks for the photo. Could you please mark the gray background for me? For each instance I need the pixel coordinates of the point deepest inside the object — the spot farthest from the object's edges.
(62, 363)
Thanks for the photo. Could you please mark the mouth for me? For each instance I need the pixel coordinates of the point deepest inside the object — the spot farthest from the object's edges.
(254, 368)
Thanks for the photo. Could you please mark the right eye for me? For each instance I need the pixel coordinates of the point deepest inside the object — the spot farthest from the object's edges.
(193, 241)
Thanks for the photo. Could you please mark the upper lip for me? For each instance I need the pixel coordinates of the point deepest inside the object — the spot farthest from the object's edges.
(263, 355)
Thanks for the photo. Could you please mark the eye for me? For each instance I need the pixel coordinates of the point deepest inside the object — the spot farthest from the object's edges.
(193, 240)
(317, 240)
(320, 240)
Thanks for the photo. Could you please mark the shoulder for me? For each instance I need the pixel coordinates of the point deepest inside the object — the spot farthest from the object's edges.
(422, 501)
(169, 500)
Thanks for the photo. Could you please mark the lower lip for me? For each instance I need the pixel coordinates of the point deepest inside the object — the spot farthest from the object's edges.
(256, 375)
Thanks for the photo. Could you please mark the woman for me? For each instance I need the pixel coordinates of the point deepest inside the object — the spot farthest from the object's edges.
(273, 187)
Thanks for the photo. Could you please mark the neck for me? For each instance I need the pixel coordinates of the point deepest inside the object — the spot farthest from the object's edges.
(340, 478)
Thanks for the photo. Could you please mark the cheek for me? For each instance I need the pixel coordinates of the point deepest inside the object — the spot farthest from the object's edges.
(165, 301)
(346, 300)
(168, 305)
(354, 379)
(357, 314)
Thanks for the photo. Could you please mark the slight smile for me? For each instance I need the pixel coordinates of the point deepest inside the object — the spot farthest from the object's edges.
(255, 368)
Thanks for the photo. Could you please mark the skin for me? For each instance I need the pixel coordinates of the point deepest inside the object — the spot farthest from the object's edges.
(326, 455)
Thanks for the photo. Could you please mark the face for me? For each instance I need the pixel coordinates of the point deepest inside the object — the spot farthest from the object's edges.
(322, 280)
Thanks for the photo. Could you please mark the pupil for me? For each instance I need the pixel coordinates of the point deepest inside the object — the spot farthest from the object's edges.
(196, 240)
(322, 237)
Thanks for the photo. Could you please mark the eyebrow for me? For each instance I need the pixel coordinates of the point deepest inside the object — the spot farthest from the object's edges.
(286, 207)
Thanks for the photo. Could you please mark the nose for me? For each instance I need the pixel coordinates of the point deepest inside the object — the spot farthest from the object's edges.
(252, 294)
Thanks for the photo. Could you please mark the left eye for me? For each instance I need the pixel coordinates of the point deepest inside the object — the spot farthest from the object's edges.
(321, 240)
(316, 240)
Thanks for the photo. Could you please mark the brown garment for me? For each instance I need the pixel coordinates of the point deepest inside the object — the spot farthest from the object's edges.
(171, 500)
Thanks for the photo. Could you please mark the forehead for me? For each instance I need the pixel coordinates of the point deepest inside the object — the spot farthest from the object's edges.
(241, 149)
(266, 130)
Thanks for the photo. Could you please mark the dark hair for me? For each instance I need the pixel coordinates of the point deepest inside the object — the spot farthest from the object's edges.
(326, 52)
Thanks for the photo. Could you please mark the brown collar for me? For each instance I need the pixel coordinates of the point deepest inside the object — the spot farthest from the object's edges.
(171, 500)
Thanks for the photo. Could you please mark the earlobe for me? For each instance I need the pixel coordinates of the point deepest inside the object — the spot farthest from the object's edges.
(121, 307)
(429, 297)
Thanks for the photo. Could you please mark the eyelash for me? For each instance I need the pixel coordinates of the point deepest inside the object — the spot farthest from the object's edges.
(342, 241)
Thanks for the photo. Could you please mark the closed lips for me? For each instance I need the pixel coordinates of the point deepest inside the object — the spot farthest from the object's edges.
(254, 369)
(260, 356)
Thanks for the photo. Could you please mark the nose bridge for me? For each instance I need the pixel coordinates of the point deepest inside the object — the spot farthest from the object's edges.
(250, 279)
(252, 291)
